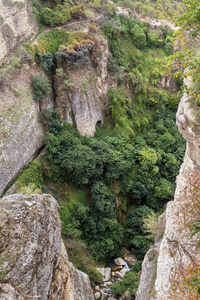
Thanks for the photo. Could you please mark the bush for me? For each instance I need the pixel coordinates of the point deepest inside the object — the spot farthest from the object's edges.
(40, 87)
(153, 39)
(139, 37)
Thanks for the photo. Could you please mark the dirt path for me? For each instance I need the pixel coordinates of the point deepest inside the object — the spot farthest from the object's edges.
(67, 24)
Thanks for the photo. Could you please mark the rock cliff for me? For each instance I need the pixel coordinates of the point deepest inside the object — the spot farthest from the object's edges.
(17, 24)
(21, 134)
(83, 103)
(168, 274)
(33, 260)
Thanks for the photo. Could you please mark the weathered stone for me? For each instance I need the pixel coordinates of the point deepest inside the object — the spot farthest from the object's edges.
(126, 296)
(148, 275)
(78, 285)
(104, 296)
(119, 261)
(119, 275)
(82, 104)
(21, 134)
(101, 271)
(107, 274)
(97, 295)
(17, 24)
(34, 243)
(34, 260)
(116, 268)
(123, 272)
(178, 254)
(129, 257)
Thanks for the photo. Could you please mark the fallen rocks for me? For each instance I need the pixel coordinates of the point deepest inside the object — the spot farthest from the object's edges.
(119, 261)
(97, 295)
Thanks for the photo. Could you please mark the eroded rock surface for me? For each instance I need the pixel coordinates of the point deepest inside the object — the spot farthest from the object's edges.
(32, 242)
(17, 24)
(178, 254)
(33, 259)
(21, 133)
(83, 103)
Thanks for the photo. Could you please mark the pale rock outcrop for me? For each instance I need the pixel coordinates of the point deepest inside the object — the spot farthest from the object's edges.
(30, 244)
(119, 261)
(17, 24)
(21, 133)
(82, 103)
(33, 259)
(178, 254)
(129, 257)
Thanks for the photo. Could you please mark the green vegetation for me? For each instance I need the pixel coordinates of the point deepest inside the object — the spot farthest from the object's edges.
(161, 9)
(130, 281)
(54, 12)
(135, 159)
(40, 87)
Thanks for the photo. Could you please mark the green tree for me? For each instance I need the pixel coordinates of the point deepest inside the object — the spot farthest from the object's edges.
(40, 87)
(139, 37)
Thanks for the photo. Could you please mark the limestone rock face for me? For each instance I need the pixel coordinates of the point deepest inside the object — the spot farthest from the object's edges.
(21, 134)
(30, 244)
(82, 103)
(17, 24)
(178, 254)
(33, 259)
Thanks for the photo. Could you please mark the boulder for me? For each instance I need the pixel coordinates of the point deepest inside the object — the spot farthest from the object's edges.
(107, 274)
(119, 275)
(104, 296)
(97, 295)
(119, 261)
(129, 257)
(123, 272)
(126, 296)
(101, 271)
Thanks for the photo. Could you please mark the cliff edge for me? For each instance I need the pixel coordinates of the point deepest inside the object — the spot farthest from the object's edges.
(33, 260)
(169, 273)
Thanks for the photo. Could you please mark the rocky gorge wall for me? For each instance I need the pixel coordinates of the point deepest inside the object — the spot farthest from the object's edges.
(170, 266)
(83, 103)
(17, 24)
(21, 133)
(33, 258)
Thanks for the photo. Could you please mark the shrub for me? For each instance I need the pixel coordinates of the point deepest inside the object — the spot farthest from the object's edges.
(153, 39)
(40, 87)
(139, 37)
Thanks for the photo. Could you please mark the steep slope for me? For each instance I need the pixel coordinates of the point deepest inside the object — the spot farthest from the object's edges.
(176, 258)
(17, 24)
(21, 134)
(33, 259)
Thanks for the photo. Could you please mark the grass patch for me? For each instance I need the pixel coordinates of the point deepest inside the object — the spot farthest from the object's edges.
(40, 30)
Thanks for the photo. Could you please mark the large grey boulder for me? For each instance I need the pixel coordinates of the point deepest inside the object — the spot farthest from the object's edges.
(119, 261)
(33, 259)
(30, 244)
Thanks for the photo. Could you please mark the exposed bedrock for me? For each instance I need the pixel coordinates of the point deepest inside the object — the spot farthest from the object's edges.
(83, 103)
(21, 133)
(178, 257)
(17, 24)
(33, 259)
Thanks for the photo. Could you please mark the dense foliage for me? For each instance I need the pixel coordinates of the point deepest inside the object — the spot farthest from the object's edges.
(161, 9)
(141, 154)
(40, 87)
